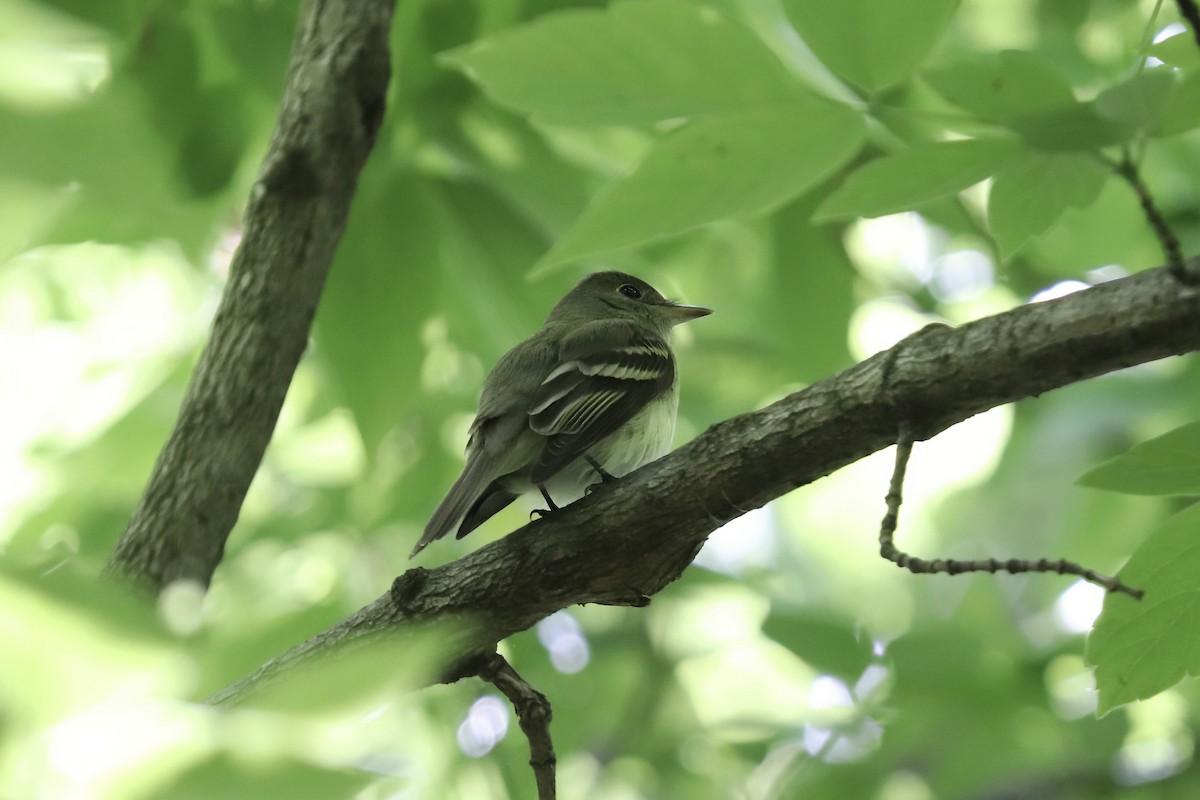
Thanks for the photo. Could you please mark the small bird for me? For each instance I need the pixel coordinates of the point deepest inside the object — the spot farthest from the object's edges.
(591, 396)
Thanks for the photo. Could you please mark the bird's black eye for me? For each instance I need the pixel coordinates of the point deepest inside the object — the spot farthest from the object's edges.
(629, 290)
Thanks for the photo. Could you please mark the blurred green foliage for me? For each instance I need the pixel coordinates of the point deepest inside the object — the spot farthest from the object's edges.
(799, 166)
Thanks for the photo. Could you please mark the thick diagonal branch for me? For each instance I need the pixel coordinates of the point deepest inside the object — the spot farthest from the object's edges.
(636, 536)
(332, 105)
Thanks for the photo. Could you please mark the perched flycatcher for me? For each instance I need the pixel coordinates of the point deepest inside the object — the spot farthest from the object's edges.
(590, 396)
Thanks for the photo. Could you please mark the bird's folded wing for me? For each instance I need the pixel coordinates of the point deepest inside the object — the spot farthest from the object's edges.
(604, 377)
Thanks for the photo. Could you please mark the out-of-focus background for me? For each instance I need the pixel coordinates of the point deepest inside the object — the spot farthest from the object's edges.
(790, 661)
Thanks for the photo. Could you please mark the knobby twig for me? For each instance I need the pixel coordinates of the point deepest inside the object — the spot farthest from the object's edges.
(950, 566)
(644, 531)
(1167, 239)
(533, 713)
(331, 109)
(1189, 11)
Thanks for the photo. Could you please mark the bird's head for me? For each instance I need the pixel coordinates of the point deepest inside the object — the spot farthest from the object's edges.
(623, 296)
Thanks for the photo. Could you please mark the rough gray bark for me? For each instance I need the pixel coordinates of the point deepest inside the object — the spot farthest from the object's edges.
(331, 109)
(629, 540)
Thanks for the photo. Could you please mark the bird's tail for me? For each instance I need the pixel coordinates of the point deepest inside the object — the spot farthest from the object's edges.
(475, 477)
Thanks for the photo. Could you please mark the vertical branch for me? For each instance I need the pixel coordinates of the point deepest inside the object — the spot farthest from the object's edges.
(533, 713)
(1167, 239)
(332, 105)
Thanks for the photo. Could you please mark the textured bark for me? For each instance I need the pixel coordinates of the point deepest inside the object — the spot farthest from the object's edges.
(332, 106)
(631, 539)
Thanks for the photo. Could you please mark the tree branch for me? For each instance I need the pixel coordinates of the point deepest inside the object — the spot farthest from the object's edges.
(533, 714)
(1167, 239)
(951, 566)
(632, 538)
(331, 109)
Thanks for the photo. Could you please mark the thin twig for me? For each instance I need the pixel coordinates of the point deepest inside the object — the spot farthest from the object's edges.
(533, 712)
(1128, 170)
(949, 566)
(1189, 11)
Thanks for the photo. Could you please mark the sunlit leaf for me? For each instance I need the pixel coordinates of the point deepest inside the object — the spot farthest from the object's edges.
(633, 63)
(734, 164)
(872, 43)
(1029, 195)
(1167, 464)
(1141, 648)
(907, 179)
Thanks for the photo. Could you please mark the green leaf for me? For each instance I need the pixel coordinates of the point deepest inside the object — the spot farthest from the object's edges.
(257, 37)
(1029, 84)
(1139, 101)
(872, 43)
(1027, 93)
(729, 165)
(1002, 88)
(802, 304)
(1141, 648)
(633, 63)
(906, 180)
(212, 147)
(1182, 113)
(1029, 195)
(826, 642)
(371, 339)
(971, 85)
(103, 148)
(1167, 464)
(237, 776)
(1178, 51)
(1079, 126)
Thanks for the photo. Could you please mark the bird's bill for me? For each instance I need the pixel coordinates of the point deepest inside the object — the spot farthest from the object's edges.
(682, 313)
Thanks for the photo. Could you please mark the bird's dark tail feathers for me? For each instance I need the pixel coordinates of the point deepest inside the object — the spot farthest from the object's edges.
(491, 501)
(476, 475)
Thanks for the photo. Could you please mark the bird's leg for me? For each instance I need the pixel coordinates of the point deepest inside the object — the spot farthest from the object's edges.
(605, 475)
(551, 506)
